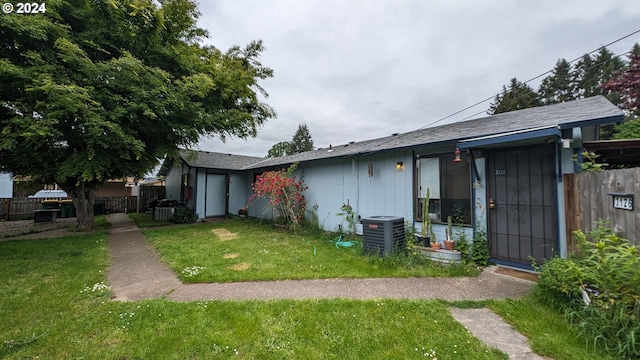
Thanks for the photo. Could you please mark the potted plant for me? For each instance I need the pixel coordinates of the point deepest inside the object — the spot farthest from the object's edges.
(434, 242)
(426, 231)
(448, 242)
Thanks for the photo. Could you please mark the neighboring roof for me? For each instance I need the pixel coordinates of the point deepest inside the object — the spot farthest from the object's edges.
(214, 160)
(41, 194)
(616, 152)
(589, 111)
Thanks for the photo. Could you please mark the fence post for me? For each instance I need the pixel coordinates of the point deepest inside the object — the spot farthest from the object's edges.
(7, 206)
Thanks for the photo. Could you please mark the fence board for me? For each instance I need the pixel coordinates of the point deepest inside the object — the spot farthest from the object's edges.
(588, 199)
(19, 208)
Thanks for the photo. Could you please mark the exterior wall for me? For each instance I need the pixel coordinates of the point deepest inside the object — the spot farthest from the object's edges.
(238, 193)
(199, 191)
(173, 183)
(6, 185)
(335, 182)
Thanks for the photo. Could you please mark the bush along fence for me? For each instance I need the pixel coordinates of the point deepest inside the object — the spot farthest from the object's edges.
(598, 289)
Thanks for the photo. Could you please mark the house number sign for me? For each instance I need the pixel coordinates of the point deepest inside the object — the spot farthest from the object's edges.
(622, 201)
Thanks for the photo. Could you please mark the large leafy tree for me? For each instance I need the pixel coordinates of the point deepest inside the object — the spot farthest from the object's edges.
(558, 87)
(626, 83)
(97, 90)
(515, 97)
(282, 148)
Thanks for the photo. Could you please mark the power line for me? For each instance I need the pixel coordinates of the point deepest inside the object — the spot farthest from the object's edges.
(526, 82)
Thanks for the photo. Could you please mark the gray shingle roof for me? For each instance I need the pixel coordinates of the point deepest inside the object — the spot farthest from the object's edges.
(588, 111)
(214, 160)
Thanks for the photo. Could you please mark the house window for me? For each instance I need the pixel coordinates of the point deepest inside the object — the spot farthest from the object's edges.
(449, 186)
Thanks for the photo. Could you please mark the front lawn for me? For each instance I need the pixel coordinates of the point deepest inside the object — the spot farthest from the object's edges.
(54, 304)
(248, 250)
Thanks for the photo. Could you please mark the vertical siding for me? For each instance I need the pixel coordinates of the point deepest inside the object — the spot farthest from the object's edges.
(173, 183)
(335, 182)
(200, 186)
(6, 185)
(238, 192)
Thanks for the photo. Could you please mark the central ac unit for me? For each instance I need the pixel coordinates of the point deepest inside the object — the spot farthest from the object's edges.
(382, 234)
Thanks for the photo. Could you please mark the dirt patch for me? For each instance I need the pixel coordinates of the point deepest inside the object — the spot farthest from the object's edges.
(241, 267)
(10, 229)
(231, 256)
(516, 273)
(224, 234)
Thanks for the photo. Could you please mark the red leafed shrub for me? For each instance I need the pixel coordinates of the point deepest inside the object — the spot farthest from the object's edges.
(285, 194)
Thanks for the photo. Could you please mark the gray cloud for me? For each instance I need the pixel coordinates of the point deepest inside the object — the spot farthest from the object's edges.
(356, 70)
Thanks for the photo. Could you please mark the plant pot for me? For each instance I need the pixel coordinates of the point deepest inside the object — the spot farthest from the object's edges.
(422, 240)
(449, 245)
(435, 245)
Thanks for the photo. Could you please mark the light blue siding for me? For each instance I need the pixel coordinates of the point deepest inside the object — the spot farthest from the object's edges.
(238, 194)
(6, 185)
(173, 183)
(199, 192)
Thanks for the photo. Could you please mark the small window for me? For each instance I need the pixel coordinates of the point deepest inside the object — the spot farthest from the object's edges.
(449, 186)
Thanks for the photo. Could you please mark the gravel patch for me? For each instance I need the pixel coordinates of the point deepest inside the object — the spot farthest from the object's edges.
(20, 227)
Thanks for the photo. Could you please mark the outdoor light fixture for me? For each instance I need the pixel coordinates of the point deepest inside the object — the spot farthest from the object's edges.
(370, 170)
(399, 165)
(457, 156)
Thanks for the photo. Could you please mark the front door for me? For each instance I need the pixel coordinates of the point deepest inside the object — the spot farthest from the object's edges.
(522, 204)
(216, 196)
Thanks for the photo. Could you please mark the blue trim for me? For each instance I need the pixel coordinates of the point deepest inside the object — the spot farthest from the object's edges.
(508, 137)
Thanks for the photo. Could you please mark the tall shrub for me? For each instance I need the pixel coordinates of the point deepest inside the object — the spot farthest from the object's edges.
(599, 290)
(285, 194)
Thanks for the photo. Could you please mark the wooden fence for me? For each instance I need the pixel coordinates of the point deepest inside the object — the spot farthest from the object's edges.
(22, 208)
(148, 193)
(19, 208)
(589, 197)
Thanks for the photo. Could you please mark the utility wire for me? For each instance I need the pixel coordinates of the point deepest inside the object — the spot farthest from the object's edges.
(526, 82)
(504, 92)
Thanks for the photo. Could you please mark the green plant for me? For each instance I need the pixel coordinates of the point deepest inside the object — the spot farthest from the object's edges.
(462, 244)
(480, 247)
(184, 215)
(348, 215)
(285, 194)
(449, 230)
(599, 290)
(426, 229)
(589, 161)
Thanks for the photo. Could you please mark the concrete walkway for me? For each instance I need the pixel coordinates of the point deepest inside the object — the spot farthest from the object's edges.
(137, 273)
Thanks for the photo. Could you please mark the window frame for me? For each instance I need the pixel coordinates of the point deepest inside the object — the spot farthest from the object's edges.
(443, 188)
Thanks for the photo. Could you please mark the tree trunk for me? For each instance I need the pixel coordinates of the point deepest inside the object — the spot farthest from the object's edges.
(83, 196)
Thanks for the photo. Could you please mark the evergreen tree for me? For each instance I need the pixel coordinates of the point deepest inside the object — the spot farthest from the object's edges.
(607, 64)
(302, 140)
(585, 77)
(516, 97)
(558, 87)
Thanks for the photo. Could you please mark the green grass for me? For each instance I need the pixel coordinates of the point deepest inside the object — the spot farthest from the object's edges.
(48, 310)
(146, 220)
(247, 250)
(548, 332)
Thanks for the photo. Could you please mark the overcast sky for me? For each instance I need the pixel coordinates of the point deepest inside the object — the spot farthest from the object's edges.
(354, 70)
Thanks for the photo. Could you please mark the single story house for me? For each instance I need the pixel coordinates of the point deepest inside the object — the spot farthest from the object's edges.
(501, 174)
